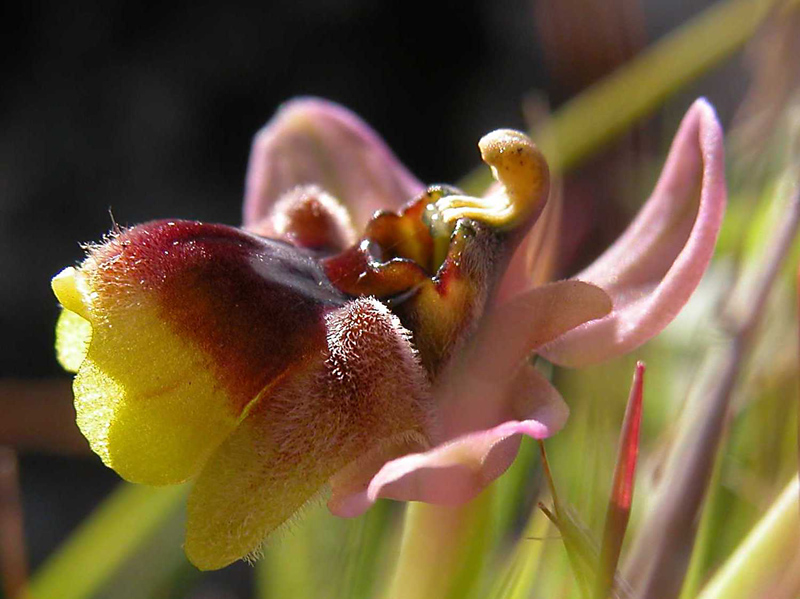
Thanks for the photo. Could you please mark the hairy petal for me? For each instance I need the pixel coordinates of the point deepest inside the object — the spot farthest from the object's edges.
(313, 141)
(366, 393)
(189, 324)
(308, 218)
(263, 473)
(653, 268)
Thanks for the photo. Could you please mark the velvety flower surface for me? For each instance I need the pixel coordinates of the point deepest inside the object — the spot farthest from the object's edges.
(329, 347)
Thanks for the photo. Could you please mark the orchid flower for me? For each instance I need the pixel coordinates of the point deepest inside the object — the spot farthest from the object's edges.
(362, 335)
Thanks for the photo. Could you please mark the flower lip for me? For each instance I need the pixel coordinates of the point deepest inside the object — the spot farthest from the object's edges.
(298, 271)
(190, 323)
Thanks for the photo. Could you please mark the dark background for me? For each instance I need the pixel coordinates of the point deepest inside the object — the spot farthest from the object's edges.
(148, 109)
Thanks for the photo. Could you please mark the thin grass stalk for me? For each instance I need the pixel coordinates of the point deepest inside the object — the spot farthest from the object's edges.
(698, 563)
(581, 553)
(520, 578)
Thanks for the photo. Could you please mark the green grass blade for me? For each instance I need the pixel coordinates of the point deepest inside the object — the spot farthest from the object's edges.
(368, 538)
(102, 543)
(763, 554)
(520, 578)
(634, 90)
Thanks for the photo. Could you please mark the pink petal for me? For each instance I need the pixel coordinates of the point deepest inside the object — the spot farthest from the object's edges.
(535, 260)
(515, 329)
(313, 141)
(471, 394)
(348, 497)
(653, 268)
(457, 470)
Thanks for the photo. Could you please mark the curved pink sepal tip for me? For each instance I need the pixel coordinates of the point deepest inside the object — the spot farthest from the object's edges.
(655, 266)
(457, 471)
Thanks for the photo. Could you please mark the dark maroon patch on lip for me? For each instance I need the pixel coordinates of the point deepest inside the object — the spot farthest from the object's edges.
(254, 306)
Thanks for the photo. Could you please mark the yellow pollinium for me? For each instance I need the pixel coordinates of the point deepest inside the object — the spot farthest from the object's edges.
(520, 168)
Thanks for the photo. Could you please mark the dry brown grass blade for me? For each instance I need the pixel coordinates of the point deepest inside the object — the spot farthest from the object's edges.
(38, 415)
(13, 559)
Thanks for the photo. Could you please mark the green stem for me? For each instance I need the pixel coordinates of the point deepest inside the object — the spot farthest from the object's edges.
(768, 549)
(443, 550)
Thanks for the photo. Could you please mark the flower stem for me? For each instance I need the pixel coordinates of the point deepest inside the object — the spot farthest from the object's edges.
(443, 550)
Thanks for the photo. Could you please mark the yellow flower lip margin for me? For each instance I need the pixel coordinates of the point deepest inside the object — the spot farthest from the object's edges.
(181, 321)
(73, 330)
